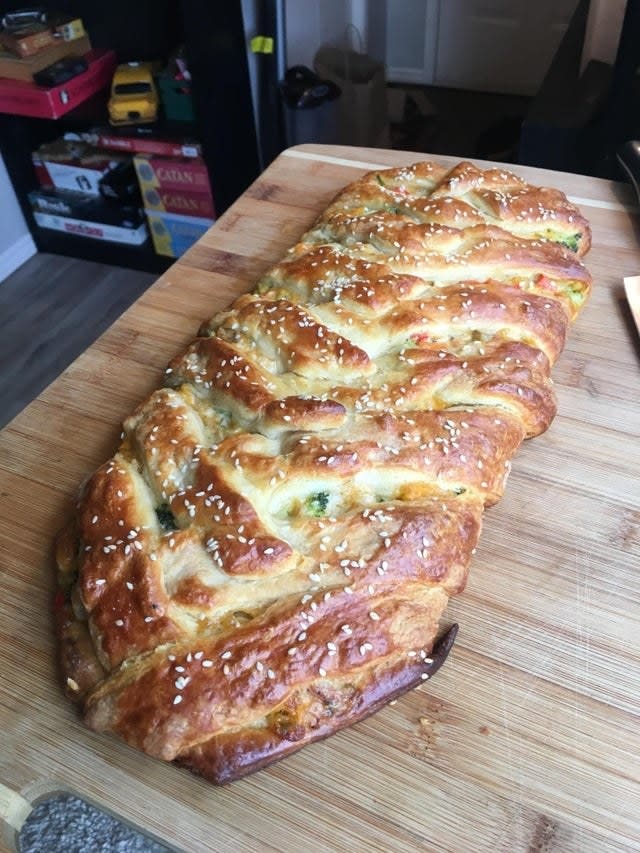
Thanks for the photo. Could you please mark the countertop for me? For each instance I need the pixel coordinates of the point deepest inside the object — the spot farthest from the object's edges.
(526, 740)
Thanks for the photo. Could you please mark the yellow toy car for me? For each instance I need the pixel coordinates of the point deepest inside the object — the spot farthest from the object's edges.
(134, 97)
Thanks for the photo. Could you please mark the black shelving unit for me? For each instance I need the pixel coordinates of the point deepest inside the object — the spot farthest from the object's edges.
(214, 39)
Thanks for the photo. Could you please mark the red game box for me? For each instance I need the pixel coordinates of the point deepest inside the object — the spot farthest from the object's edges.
(73, 165)
(26, 99)
(23, 68)
(133, 144)
(179, 201)
(28, 40)
(165, 173)
(87, 216)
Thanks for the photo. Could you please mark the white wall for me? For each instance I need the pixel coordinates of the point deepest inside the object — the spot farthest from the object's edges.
(16, 244)
(310, 23)
(604, 26)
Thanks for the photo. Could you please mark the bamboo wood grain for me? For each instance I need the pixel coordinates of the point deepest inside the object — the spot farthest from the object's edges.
(526, 740)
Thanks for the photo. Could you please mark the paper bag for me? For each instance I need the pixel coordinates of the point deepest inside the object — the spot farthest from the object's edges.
(363, 105)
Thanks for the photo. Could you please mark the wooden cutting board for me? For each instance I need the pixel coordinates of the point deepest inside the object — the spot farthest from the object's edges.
(526, 740)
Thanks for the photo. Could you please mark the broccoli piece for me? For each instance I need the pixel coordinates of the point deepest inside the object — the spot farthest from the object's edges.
(576, 294)
(316, 504)
(571, 242)
(166, 518)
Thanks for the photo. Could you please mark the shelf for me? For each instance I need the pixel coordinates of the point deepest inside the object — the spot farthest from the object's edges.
(224, 126)
(94, 112)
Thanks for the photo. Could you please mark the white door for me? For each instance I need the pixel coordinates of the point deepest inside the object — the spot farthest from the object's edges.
(483, 45)
(411, 36)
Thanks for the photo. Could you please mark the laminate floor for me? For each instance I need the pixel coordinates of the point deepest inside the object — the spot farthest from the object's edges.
(51, 309)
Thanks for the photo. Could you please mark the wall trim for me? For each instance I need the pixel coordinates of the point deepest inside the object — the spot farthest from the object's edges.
(16, 255)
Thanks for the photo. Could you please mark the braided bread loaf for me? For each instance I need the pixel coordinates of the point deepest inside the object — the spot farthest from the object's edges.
(268, 555)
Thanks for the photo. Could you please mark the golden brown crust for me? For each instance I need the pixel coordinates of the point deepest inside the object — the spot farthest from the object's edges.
(306, 717)
(268, 555)
(459, 198)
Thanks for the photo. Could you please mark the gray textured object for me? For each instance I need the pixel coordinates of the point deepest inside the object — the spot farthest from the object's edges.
(67, 824)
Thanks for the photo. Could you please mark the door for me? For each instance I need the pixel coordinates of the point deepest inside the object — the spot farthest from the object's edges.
(411, 35)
